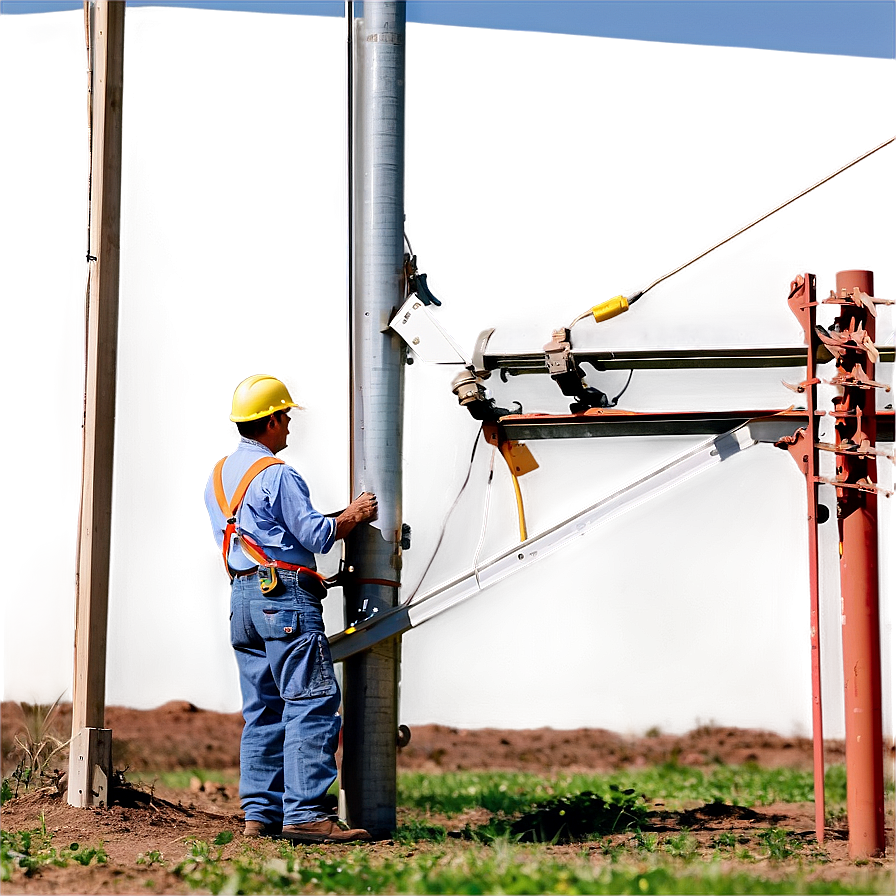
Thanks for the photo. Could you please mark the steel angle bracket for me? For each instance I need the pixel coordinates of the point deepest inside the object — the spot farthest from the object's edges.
(367, 633)
(419, 329)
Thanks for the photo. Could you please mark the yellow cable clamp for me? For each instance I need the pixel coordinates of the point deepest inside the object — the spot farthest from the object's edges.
(610, 308)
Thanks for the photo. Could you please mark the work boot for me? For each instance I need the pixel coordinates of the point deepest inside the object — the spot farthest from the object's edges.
(323, 831)
(255, 828)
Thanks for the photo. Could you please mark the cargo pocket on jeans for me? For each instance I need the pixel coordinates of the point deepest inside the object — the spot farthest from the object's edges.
(273, 623)
(309, 671)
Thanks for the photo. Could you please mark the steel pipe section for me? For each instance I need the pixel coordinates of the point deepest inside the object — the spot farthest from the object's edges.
(859, 591)
(373, 552)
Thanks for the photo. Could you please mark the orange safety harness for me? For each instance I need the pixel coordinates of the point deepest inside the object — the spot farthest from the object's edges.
(229, 509)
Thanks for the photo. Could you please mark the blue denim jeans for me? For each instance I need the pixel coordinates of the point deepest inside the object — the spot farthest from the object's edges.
(290, 702)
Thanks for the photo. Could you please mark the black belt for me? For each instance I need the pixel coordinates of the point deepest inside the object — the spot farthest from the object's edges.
(242, 573)
(311, 584)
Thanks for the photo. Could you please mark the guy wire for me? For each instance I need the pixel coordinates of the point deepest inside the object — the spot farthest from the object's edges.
(634, 298)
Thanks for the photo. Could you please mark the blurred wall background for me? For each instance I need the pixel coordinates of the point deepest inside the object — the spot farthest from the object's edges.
(545, 173)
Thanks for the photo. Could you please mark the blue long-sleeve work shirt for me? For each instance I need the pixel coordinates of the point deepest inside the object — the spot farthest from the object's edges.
(276, 511)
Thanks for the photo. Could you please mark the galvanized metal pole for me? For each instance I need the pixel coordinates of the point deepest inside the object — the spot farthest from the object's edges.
(856, 429)
(90, 755)
(373, 552)
(350, 187)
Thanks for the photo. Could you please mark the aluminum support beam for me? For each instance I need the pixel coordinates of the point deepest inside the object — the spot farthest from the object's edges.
(659, 359)
(669, 359)
(374, 628)
(681, 345)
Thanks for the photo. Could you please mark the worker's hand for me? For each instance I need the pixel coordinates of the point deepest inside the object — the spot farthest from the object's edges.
(364, 506)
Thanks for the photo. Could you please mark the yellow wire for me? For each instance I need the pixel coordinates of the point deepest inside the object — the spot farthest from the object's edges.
(519, 506)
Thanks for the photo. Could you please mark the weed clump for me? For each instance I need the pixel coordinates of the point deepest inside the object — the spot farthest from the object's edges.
(417, 830)
(37, 747)
(30, 850)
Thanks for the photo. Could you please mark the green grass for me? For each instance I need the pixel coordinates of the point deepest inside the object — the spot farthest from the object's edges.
(180, 779)
(32, 849)
(603, 818)
(503, 867)
(452, 793)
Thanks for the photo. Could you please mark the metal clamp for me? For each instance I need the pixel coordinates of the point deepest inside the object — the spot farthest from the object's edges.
(558, 354)
(568, 375)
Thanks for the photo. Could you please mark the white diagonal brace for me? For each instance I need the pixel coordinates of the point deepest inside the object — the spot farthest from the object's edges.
(365, 634)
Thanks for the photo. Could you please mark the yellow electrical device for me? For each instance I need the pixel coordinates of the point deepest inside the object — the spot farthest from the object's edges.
(610, 308)
(519, 458)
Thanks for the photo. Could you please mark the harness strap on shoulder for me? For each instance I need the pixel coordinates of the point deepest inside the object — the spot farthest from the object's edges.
(229, 508)
(218, 480)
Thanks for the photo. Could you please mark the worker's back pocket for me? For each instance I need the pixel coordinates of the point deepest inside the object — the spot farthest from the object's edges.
(271, 622)
(307, 670)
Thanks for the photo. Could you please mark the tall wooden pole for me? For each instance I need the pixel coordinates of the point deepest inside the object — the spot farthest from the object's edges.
(373, 552)
(90, 762)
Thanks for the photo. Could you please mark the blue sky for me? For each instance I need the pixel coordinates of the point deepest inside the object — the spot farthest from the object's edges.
(837, 27)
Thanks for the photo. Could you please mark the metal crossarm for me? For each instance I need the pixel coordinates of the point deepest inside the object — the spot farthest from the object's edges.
(365, 634)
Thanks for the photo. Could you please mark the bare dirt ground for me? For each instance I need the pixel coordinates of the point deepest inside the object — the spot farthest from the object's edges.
(180, 736)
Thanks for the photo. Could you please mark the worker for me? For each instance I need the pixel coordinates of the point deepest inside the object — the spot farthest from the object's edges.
(289, 691)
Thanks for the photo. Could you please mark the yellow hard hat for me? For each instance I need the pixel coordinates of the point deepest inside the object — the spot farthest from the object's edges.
(259, 396)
